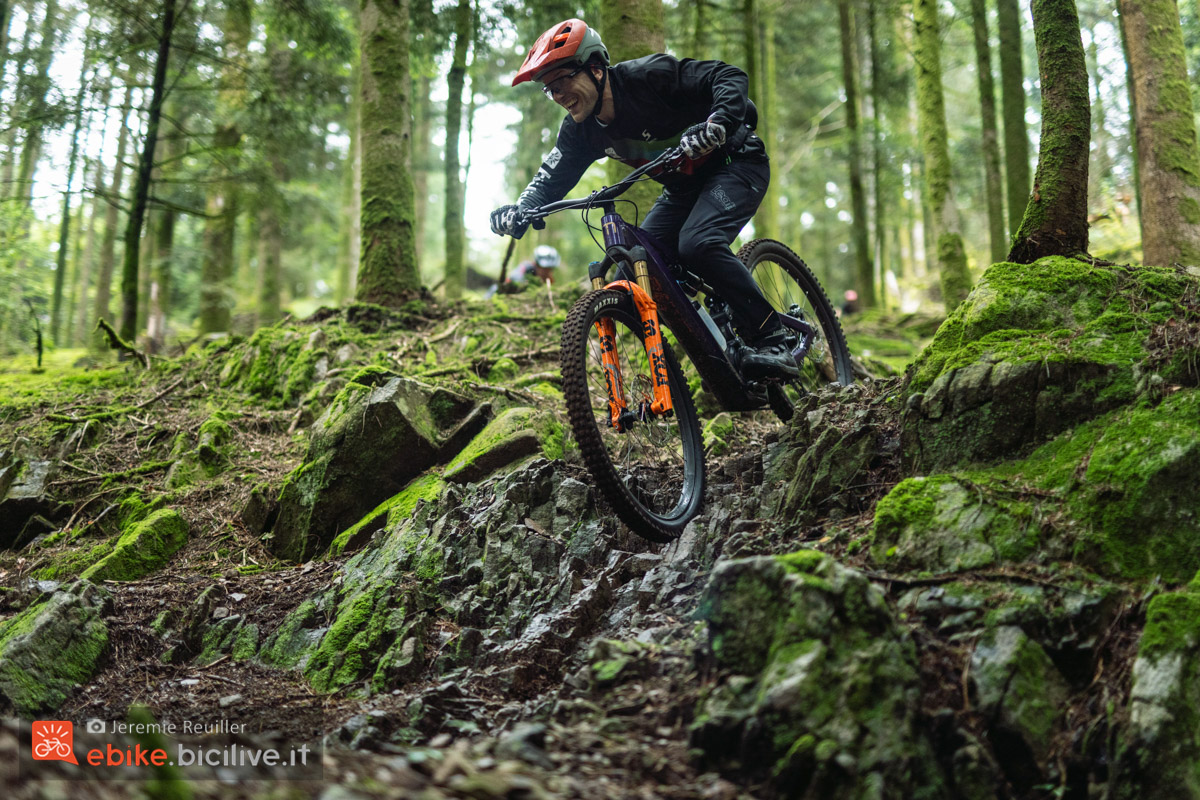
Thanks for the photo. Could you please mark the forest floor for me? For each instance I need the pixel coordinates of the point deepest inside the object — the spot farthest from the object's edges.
(563, 737)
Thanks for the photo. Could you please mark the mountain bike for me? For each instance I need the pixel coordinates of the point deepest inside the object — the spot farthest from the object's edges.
(628, 398)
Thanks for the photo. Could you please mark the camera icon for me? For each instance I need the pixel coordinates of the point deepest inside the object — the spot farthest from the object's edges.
(95, 726)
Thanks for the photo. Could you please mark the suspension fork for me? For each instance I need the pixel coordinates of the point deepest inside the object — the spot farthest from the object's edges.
(643, 301)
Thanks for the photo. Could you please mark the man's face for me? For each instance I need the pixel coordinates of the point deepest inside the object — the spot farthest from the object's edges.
(572, 89)
(544, 274)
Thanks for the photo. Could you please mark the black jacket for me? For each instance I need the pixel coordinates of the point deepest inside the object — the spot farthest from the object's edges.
(657, 98)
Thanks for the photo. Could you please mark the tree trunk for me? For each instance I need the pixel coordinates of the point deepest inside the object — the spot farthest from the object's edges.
(5, 21)
(421, 147)
(1133, 115)
(39, 106)
(878, 165)
(864, 270)
(931, 117)
(64, 231)
(1101, 168)
(160, 286)
(766, 220)
(1167, 151)
(1055, 222)
(141, 191)
(388, 274)
(700, 31)
(455, 268)
(993, 184)
(750, 48)
(87, 259)
(1012, 85)
(12, 152)
(632, 29)
(217, 294)
(108, 243)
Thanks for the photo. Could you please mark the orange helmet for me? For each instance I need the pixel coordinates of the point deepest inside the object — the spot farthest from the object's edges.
(566, 43)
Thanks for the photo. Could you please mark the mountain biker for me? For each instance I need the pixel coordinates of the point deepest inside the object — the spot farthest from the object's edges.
(635, 110)
(540, 269)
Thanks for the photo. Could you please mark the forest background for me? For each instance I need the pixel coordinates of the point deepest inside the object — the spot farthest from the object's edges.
(187, 167)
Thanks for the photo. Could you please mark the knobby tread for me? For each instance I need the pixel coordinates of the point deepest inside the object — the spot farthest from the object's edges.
(575, 332)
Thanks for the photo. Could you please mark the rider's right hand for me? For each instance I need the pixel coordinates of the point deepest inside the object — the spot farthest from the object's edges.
(509, 220)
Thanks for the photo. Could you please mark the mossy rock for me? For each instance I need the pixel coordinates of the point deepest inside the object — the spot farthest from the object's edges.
(1034, 350)
(1160, 747)
(367, 446)
(1116, 495)
(365, 641)
(514, 436)
(388, 514)
(717, 432)
(1019, 688)
(825, 695)
(505, 369)
(142, 549)
(51, 648)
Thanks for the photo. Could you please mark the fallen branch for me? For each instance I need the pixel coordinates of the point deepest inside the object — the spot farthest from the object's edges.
(115, 342)
(511, 394)
(161, 394)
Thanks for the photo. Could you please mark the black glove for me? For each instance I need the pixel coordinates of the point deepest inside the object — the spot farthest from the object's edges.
(509, 220)
(702, 138)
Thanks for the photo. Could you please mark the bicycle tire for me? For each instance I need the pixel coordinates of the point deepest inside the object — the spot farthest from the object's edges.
(658, 512)
(829, 358)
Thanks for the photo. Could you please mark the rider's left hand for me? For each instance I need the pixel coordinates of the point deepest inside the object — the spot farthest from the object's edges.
(702, 138)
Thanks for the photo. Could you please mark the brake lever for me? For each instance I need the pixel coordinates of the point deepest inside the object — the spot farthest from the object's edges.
(538, 224)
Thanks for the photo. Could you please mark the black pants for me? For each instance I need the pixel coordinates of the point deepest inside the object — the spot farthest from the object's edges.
(702, 222)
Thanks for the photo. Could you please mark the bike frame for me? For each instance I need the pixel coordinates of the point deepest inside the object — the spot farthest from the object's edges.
(659, 298)
(674, 310)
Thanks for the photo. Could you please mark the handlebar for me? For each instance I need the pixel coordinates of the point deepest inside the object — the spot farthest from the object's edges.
(669, 161)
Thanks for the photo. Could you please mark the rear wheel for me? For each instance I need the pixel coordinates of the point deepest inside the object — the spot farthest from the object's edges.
(652, 472)
(796, 294)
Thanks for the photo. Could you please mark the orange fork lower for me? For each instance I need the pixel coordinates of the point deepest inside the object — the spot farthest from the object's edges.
(661, 403)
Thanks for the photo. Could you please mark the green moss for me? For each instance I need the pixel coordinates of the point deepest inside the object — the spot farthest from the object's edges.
(553, 440)
(245, 643)
(393, 511)
(48, 650)
(430, 565)
(142, 549)
(345, 652)
(717, 432)
(289, 645)
(1172, 622)
(505, 369)
(805, 561)
(1053, 309)
(70, 564)
(1116, 495)
(515, 434)
(372, 376)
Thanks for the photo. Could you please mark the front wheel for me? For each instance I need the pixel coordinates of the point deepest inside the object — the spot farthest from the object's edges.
(651, 470)
(797, 296)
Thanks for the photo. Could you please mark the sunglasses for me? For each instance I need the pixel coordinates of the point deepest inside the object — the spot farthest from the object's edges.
(557, 86)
